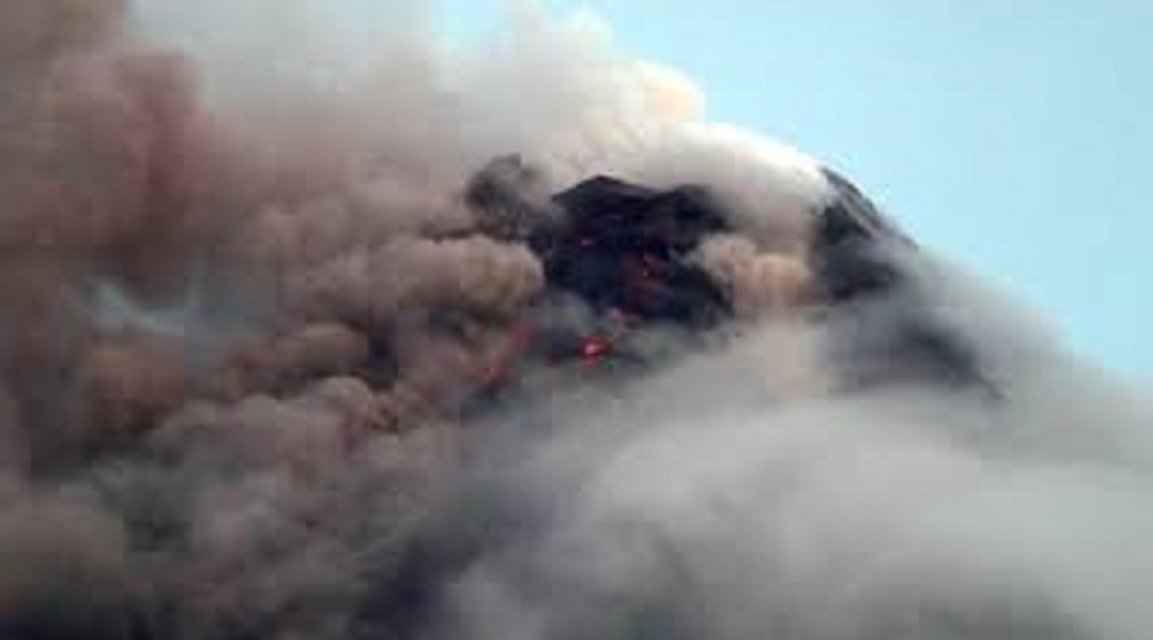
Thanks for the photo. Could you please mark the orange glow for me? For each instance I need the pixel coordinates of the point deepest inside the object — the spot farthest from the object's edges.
(596, 347)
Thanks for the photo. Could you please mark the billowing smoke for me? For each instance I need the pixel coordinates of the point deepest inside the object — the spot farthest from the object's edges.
(709, 504)
(263, 290)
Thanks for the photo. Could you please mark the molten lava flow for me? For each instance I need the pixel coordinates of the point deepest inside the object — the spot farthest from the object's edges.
(594, 348)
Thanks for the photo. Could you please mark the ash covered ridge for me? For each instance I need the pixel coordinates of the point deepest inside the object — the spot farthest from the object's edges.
(286, 354)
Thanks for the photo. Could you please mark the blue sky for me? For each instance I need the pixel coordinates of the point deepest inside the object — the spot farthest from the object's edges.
(1013, 136)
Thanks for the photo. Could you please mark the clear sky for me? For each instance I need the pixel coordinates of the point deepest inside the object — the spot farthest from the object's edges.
(1014, 136)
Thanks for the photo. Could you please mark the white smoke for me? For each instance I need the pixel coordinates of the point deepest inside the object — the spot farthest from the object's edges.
(700, 505)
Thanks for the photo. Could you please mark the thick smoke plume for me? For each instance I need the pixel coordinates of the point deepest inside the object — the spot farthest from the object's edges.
(247, 308)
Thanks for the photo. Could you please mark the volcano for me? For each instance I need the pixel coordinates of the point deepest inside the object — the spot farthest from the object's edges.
(628, 257)
(286, 354)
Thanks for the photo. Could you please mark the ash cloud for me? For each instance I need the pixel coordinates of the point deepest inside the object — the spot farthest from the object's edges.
(246, 305)
(707, 505)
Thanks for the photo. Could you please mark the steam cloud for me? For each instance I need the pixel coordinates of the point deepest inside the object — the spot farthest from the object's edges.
(244, 306)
